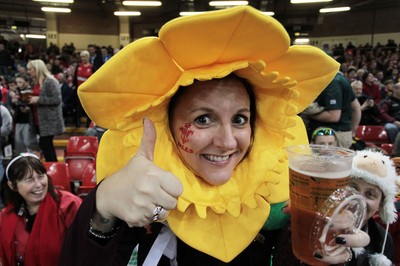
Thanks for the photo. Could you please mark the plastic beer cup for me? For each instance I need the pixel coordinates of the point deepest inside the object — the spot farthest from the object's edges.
(315, 172)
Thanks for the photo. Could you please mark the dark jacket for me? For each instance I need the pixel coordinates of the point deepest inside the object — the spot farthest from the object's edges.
(80, 249)
(390, 109)
(377, 234)
(370, 116)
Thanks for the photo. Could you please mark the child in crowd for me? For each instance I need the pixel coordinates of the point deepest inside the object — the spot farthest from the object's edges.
(25, 132)
(324, 136)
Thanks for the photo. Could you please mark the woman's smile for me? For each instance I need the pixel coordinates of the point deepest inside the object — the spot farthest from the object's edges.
(211, 128)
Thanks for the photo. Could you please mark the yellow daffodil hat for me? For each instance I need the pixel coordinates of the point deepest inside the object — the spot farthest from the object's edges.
(140, 80)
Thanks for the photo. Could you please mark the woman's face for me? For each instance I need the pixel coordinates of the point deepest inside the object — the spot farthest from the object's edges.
(371, 193)
(32, 72)
(211, 127)
(370, 78)
(33, 188)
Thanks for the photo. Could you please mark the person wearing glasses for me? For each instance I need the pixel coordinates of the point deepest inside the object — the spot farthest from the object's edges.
(324, 136)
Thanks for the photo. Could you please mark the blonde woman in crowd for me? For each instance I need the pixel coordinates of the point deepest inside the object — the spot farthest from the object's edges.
(47, 107)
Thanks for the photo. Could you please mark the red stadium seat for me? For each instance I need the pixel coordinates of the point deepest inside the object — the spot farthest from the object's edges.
(89, 176)
(372, 134)
(59, 174)
(77, 166)
(88, 181)
(80, 152)
(82, 146)
(388, 147)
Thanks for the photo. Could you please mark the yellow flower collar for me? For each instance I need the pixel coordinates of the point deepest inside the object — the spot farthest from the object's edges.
(139, 81)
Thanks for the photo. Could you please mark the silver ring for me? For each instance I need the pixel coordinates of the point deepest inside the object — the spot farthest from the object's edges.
(350, 255)
(156, 212)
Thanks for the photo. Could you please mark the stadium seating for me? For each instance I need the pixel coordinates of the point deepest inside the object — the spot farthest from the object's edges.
(88, 181)
(80, 152)
(388, 147)
(59, 174)
(372, 134)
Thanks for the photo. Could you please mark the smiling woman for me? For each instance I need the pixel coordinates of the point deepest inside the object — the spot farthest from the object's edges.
(197, 126)
(36, 216)
(210, 122)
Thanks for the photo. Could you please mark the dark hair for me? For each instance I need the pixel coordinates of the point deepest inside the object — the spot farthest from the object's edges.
(365, 75)
(26, 165)
(11, 81)
(23, 76)
(249, 88)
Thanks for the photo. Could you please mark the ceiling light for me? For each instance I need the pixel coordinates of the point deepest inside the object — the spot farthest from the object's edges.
(35, 36)
(334, 9)
(56, 1)
(127, 13)
(302, 41)
(228, 3)
(190, 13)
(308, 1)
(268, 13)
(298, 34)
(56, 9)
(142, 3)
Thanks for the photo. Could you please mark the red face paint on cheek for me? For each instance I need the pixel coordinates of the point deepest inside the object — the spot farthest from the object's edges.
(186, 133)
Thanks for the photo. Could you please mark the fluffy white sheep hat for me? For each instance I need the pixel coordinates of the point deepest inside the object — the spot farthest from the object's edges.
(377, 168)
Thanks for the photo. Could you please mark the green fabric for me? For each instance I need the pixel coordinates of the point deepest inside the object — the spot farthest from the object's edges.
(276, 219)
(133, 258)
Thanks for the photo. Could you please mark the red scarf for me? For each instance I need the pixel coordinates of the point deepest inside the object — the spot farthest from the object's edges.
(45, 240)
(36, 92)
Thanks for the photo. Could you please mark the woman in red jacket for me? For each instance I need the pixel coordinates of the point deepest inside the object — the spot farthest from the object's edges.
(36, 216)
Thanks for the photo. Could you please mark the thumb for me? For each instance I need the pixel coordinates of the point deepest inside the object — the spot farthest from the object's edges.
(149, 137)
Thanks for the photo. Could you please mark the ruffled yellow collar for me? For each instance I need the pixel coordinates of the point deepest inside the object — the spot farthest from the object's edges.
(139, 81)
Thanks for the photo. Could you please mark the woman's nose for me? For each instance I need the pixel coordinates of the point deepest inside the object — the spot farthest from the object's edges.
(37, 182)
(225, 137)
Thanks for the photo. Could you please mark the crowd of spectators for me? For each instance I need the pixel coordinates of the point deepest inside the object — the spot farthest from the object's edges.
(373, 72)
(61, 62)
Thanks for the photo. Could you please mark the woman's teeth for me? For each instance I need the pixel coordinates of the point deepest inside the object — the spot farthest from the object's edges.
(215, 158)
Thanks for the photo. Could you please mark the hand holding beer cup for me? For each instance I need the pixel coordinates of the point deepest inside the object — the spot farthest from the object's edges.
(33, 99)
(325, 214)
(26, 95)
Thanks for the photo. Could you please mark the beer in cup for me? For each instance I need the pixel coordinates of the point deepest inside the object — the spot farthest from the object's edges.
(315, 172)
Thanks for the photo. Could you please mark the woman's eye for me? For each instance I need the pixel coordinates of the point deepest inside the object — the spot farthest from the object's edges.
(370, 195)
(203, 120)
(240, 120)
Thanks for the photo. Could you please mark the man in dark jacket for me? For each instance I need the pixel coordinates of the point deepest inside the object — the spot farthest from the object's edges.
(390, 111)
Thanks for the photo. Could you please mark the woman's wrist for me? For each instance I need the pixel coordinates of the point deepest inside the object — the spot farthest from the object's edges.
(101, 219)
(99, 234)
(102, 224)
